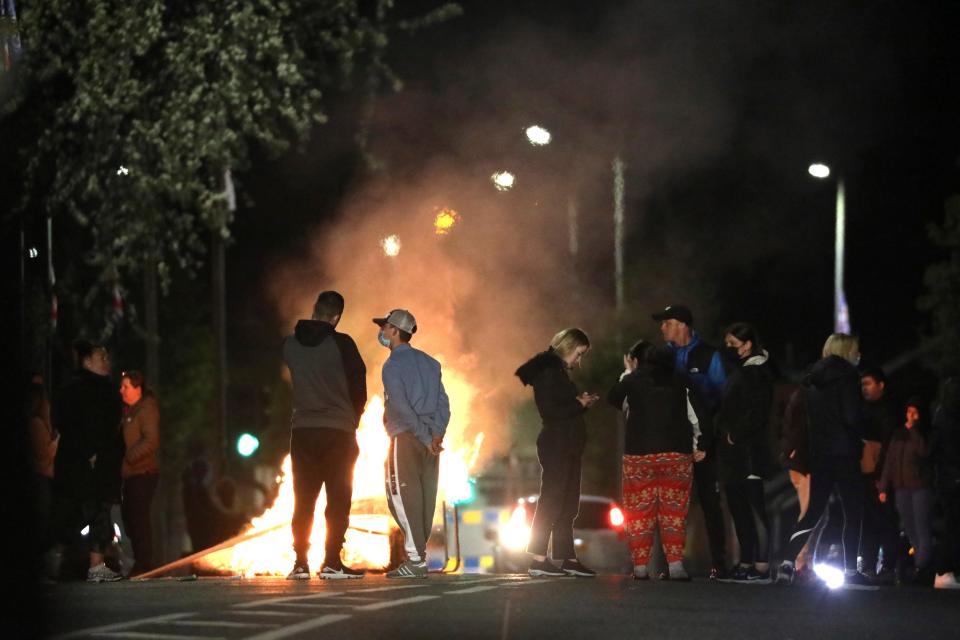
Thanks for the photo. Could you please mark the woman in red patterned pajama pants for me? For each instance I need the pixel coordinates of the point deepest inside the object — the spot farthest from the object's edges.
(659, 451)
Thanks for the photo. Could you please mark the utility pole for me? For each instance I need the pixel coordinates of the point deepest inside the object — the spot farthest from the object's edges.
(218, 274)
(618, 189)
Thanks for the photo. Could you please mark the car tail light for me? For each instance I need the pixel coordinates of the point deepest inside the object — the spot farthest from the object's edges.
(616, 517)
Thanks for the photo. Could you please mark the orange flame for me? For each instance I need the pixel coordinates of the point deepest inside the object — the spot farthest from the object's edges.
(367, 543)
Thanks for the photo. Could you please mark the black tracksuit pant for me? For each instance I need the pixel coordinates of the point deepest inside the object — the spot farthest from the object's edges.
(705, 477)
(322, 457)
(840, 474)
(559, 500)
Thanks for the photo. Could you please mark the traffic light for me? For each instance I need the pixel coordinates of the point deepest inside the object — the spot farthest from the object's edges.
(247, 444)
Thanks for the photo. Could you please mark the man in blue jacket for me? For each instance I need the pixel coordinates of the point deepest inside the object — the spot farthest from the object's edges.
(416, 414)
(700, 367)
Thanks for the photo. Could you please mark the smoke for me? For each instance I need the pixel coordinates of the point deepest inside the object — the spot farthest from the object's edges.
(492, 291)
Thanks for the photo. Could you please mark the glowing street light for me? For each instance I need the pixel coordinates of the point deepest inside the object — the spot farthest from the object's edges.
(538, 136)
(841, 312)
(123, 171)
(503, 180)
(819, 170)
(391, 245)
(445, 220)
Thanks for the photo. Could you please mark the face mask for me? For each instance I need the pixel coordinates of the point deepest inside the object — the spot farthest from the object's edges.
(856, 361)
(730, 353)
(382, 339)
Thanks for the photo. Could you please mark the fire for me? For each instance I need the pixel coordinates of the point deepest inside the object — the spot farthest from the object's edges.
(445, 220)
(367, 542)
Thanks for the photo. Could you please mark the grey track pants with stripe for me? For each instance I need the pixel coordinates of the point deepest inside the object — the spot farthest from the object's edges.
(412, 473)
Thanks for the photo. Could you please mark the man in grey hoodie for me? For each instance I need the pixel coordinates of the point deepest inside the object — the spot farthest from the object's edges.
(329, 394)
(416, 414)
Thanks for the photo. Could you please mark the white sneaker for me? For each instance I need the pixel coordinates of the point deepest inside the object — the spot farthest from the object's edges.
(102, 573)
(946, 581)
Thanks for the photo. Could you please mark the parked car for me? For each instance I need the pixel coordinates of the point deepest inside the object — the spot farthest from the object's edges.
(599, 539)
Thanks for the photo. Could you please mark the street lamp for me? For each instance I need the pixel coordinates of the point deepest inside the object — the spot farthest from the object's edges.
(841, 313)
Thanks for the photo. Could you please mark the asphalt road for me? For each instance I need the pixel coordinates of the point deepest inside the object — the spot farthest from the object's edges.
(487, 606)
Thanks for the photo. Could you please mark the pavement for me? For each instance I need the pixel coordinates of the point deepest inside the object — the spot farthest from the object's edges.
(491, 606)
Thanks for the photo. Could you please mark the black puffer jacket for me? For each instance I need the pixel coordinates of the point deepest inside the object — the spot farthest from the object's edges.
(656, 409)
(555, 395)
(743, 421)
(835, 408)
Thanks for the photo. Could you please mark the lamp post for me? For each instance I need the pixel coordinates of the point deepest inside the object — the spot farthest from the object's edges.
(841, 313)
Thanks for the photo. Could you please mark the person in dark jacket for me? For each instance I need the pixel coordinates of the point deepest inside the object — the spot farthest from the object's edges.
(835, 420)
(329, 394)
(661, 437)
(743, 451)
(559, 448)
(945, 447)
(908, 473)
(87, 465)
(880, 522)
(701, 368)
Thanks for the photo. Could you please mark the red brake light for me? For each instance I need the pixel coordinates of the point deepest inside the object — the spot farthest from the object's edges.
(616, 517)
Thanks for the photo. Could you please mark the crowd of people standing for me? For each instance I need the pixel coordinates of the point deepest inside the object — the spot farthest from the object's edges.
(701, 418)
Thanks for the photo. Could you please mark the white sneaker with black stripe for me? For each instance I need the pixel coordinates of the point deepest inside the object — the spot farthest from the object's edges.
(301, 571)
(339, 571)
(409, 569)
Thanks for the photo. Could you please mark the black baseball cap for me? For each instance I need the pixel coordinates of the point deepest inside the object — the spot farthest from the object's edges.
(675, 312)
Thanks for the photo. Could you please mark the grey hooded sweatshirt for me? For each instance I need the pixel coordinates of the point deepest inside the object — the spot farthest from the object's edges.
(329, 377)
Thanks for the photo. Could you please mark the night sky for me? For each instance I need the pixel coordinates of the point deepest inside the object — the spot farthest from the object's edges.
(717, 107)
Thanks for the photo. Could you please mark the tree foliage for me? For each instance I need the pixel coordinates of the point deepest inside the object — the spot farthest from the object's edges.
(128, 114)
(941, 296)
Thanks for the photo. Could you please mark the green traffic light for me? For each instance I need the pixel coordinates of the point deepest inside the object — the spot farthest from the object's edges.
(247, 444)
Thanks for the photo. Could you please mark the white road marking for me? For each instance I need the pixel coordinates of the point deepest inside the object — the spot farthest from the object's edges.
(269, 601)
(390, 588)
(137, 635)
(323, 594)
(487, 587)
(283, 614)
(306, 625)
(386, 604)
(220, 623)
(124, 625)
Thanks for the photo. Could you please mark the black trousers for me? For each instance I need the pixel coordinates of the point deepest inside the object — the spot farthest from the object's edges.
(135, 501)
(322, 457)
(880, 529)
(559, 501)
(706, 479)
(747, 505)
(843, 476)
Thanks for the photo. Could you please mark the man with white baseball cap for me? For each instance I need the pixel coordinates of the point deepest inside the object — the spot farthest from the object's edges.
(416, 414)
